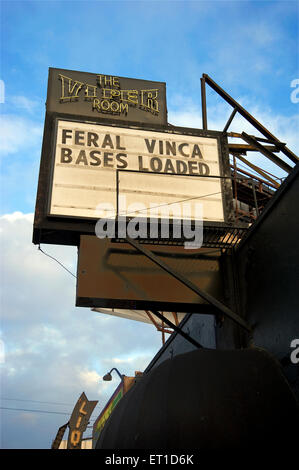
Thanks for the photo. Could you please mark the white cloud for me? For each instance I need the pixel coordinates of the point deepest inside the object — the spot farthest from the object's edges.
(19, 133)
(17, 216)
(22, 102)
(89, 378)
(53, 350)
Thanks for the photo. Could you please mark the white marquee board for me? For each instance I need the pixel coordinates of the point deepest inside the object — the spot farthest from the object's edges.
(171, 174)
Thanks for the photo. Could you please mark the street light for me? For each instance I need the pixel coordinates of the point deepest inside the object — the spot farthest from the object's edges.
(107, 377)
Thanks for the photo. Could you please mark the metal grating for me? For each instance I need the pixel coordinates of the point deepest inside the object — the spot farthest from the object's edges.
(222, 237)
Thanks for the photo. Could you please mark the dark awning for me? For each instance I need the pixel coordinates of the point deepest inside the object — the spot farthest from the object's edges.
(207, 399)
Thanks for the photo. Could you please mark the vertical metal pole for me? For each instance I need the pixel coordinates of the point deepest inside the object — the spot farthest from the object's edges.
(254, 197)
(175, 316)
(204, 104)
(235, 187)
(117, 191)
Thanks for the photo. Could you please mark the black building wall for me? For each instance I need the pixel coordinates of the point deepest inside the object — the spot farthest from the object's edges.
(200, 327)
(261, 283)
(267, 268)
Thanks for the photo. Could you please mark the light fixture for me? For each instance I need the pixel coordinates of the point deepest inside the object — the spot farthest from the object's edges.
(107, 377)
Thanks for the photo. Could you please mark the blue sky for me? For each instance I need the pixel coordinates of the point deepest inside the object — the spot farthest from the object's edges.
(250, 48)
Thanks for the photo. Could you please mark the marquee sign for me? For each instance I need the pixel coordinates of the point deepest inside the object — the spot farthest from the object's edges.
(104, 171)
(108, 152)
(96, 95)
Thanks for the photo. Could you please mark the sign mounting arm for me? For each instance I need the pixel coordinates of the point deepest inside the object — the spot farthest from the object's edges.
(205, 295)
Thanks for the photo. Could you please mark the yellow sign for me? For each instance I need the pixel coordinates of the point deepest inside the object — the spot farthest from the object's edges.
(96, 95)
(79, 421)
(108, 99)
(101, 420)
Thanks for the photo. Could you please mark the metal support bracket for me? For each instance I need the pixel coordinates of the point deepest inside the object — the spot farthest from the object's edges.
(206, 79)
(252, 141)
(177, 329)
(205, 295)
(204, 104)
(258, 170)
(230, 120)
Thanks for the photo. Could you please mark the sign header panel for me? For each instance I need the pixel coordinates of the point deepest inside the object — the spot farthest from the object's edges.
(105, 96)
(104, 171)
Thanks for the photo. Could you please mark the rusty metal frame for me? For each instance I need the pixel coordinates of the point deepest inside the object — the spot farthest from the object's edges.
(270, 181)
(159, 328)
(270, 138)
(219, 306)
(267, 145)
(254, 197)
(236, 188)
(260, 148)
(162, 328)
(177, 329)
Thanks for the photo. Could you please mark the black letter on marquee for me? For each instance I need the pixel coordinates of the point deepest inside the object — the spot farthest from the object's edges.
(119, 158)
(118, 143)
(181, 167)
(196, 152)
(204, 169)
(170, 147)
(108, 161)
(158, 165)
(181, 149)
(65, 135)
(141, 167)
(107, 141)
(82, 158)
(97, 161)
(92, 139)
(192, 168)
(150, 146)
(79, 137)
(66, 155)
(169, 166)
